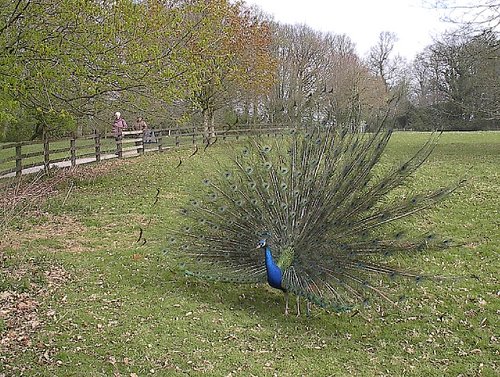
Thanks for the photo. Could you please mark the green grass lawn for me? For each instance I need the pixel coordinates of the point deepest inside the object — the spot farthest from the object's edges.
(79, 296)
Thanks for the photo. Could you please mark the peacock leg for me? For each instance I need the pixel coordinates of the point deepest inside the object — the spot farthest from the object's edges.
(308, 308)
(286, 303)
(298, 306)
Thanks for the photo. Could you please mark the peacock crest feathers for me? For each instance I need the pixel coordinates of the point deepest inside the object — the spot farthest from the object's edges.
(317, 197)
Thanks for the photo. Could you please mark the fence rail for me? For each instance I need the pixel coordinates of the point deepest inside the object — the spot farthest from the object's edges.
(31, 156)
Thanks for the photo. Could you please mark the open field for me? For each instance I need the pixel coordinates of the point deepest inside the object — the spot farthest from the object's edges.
(79, 296)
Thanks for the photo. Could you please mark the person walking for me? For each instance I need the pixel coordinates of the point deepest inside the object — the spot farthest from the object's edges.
(148, 135)
(118, 126)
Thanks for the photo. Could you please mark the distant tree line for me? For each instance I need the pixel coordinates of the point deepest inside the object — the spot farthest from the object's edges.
(457, 83)
(67, 65)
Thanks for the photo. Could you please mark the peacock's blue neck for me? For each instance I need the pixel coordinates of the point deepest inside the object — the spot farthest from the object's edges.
(274, 274)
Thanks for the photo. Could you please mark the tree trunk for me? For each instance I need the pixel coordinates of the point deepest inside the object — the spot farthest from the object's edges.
(208, 125)
(212, 125)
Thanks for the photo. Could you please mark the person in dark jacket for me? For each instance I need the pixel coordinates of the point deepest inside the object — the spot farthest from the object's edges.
(148, 134)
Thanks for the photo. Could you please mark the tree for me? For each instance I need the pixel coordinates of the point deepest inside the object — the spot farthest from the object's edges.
(232, 57)
(475, 16)
(78, 58)
(458, 83)
(320, 79)
(381, 62)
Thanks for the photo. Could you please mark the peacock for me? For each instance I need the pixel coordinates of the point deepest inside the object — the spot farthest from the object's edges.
(309, 213)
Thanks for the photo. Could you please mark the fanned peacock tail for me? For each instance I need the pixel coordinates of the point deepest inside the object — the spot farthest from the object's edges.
(314, 197)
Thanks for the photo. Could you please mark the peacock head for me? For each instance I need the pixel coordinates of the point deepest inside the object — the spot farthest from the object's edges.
(262, 244)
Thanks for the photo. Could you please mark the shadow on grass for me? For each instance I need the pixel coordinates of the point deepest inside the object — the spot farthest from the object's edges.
(248, 302)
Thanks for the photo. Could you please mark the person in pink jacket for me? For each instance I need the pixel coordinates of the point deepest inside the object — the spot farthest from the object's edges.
(118, 126)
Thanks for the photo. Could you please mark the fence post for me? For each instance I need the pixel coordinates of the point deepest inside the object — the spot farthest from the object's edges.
(46, 153)
(140, 144)
(19, 160)
(177, 137)
(72, 151)
(97, 145)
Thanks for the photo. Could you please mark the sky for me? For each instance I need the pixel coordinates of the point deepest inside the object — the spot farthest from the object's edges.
(363, 20)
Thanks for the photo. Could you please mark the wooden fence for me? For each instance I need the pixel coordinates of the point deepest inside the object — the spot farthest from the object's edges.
(28, 157)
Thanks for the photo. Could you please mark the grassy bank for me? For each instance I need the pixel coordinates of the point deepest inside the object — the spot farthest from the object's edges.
(80, 296)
